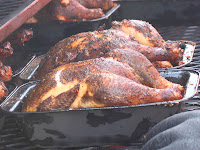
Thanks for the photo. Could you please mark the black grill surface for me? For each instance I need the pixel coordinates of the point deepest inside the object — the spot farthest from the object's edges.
(12, 138)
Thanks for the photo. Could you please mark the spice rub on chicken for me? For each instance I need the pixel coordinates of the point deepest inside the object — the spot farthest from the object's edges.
(68, 86)
(113, 67)
(88, 45)
(146, 34)
(78, 10)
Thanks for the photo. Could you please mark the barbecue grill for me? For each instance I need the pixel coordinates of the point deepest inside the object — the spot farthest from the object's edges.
(174, 20)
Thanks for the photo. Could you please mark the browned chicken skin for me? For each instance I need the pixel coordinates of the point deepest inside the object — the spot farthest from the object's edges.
(96, 44)
(3, 91)
(62, 84)
(6, 50)
(22, 36)
(104, 4)
(62, 87)
(106, 89)
(71, 10)
(119, 70)
(5, 73)
(146, 72)
(146, 34)
(162, 64)
(82, 85)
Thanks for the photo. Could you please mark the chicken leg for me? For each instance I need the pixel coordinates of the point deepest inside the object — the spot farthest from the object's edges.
(62, 84)
(104, 4)
(88, 45)
(146, 34)
(71, 10)
(106, 89)
(98, 90)
(146, 72)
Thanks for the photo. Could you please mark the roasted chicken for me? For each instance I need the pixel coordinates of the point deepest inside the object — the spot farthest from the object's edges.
(6, 50)
(64, 81)
(3, 91)
(104, 4)
(146, 34)
(106, 89)
(22, 36)
(5, 73)
(78, 85)
(71, 10)
(162, 64)
(5, 76)
(96, 44)
(146, 73)
(106, 68)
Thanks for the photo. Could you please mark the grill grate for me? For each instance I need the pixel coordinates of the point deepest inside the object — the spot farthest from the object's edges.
(6, 7)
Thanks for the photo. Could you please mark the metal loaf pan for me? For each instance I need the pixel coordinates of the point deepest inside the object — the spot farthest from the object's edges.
(47, 34)
(96, 126)
(33, 66)
(17, 69)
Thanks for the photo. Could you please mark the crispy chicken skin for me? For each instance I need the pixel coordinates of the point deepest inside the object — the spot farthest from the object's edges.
(60, 88)
(146, 72)
(95, 90)
(162, 64)
(22, 36)
(88, 45)
(146, 34)
(6, 50)
(5, 73)
(106, 68)
(3, 91)
(104, 4)
(106, 89)
(71, 10)
(63, 82)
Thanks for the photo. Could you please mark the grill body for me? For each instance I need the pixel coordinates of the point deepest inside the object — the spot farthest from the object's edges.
(171, 23)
